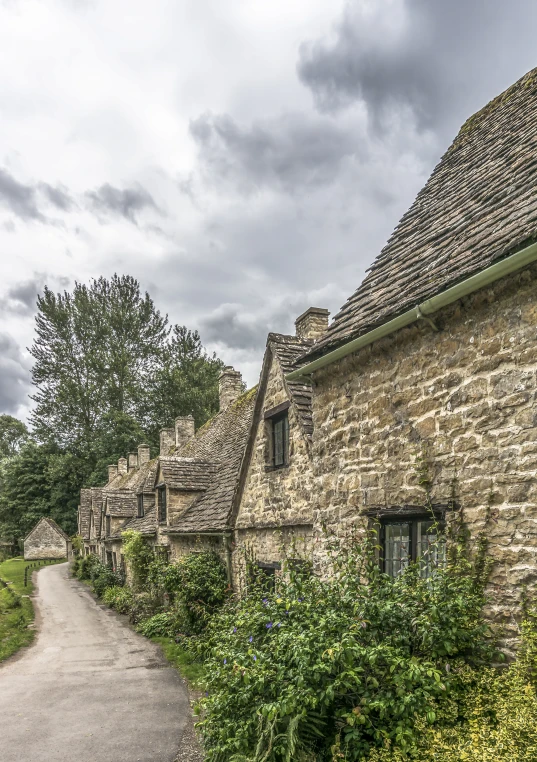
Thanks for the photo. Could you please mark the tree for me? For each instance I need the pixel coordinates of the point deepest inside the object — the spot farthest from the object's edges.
(186, 382)
(95, 351)
(13, 434)
(116, 435)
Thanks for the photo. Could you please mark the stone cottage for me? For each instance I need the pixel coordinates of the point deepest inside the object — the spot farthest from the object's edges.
(275, 509)
(429, 371)
(46, 541)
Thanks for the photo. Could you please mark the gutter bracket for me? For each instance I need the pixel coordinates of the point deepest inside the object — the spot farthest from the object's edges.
(430, 321)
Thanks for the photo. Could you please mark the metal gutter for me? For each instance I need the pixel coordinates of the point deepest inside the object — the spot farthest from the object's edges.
(481, 279)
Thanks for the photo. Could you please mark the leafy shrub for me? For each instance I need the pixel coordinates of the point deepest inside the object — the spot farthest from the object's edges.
(103, 576)
(85, 566)
(118, 598)
(321, 668)
(161, 625)
(495, 719)
(143, 606)
(139, 556)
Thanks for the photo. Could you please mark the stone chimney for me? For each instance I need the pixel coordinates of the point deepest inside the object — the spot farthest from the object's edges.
(167, 441)
(312, 324)
(230, 386)
(132, 461)
(144, 454)
(122, 466)
(185, 429)
(112, 472)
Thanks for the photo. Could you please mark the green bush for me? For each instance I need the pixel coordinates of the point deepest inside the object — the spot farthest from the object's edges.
(103, 576)
(118, 598)
(341, 666)
(85, 565)
(161, 625)
(138, 555)
(143, 606)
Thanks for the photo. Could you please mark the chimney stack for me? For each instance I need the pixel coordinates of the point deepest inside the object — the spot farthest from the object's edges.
(122, 466)
(112, 472)
(312, 324)
(144, 454)
(185, 429)
(167, 441)
(132, 461)
(230, 386)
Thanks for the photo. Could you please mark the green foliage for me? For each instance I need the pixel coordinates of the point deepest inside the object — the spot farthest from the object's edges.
(13, 434)
(138, 555)
(349, 662)
(118, 598)
(159, 625)
(196, 586)
(143, 607)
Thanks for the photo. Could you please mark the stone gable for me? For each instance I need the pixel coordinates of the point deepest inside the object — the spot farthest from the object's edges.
(46, 540)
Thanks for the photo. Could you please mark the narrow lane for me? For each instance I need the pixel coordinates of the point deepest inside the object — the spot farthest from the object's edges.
(88, 689)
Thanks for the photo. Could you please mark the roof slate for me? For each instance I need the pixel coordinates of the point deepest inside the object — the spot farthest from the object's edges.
(221, 442)
(187, 474)
(478, 206)
(121, 502)
(288, 349)
(146, 525)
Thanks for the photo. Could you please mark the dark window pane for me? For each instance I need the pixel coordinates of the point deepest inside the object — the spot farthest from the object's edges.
(430, 548)
(396, 548)
(162, 504)
(140, 506)
(278, 443)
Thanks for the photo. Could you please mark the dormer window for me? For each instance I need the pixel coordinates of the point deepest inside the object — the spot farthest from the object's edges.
(277, 421)
(108, 526)
(161, 504)
(141, 511)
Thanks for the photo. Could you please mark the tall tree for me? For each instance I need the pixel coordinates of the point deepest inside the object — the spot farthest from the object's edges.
(95, 351)
(185, 383)
(13, 434)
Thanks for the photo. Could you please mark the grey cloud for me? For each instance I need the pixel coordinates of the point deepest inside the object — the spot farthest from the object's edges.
(291, 151)
(231, 326)
(442, 60)
(21, 298)
(14, 376)
(19, 198)
(58, 196)
(127, 203)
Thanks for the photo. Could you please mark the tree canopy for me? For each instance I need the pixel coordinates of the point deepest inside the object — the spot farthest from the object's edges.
(109, 372)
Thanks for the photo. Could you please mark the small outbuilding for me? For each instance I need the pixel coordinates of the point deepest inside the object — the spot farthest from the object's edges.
(47, 540)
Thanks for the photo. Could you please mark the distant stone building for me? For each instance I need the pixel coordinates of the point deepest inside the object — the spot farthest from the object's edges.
(47, 540)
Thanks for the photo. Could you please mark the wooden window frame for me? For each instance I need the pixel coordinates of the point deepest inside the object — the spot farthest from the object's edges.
(412, 521)
(141, 509)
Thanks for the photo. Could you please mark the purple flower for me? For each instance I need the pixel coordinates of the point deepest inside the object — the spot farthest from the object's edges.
(269, 626)
(234, 629)
(225, 661)
(255, 657)
(279, 624)
(250, 639)
(265, 601)
(300, 600)
(206, 693)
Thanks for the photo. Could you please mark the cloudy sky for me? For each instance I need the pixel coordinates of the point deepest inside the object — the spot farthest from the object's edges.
(243, 159)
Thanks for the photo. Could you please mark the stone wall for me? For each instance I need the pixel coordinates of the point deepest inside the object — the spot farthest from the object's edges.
(269, 546)
(44, 542)
(177, 503)
(466, 397)
(274, 497)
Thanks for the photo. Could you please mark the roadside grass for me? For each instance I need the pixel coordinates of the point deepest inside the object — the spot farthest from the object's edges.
(192, 671)
(16, 610)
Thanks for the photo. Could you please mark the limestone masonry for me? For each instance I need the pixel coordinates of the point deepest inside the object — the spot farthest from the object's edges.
(433, 424)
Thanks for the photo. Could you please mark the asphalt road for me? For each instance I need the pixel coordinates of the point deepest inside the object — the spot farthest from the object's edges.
(88, 689)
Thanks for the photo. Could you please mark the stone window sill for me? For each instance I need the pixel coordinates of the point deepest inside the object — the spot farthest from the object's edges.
(269, 469)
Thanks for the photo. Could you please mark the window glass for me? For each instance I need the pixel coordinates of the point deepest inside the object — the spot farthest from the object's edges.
(430, 549)
(140, 506)
(280, 440)
(397, 548)
(162, 512)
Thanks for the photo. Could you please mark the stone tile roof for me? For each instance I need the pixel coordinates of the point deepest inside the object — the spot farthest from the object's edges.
(288, 349)
(85, 508)
(479, 205)
(138, 479)
(187, 474)
(222, 442)
(121, 502)
(146, 525)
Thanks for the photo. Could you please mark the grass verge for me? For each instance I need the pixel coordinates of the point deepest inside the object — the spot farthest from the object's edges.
(192, 671)
(16, 610)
